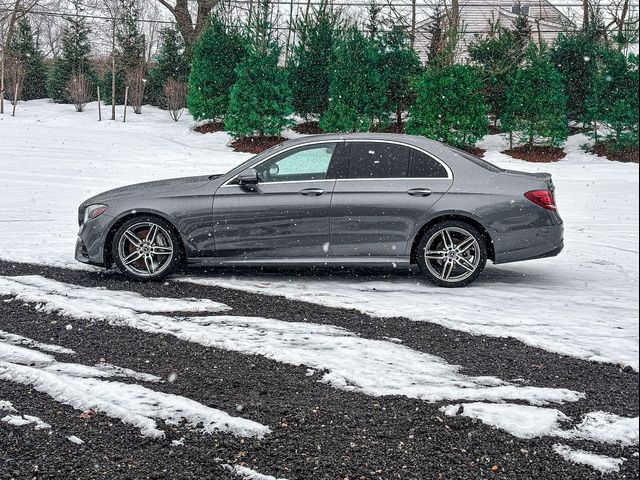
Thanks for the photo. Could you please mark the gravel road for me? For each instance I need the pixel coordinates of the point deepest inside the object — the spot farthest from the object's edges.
(318, 432)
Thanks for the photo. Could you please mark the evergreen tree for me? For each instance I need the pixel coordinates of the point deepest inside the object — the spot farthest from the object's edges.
(171, 62)
(499, 55)
(536, 108)
(216, 56)
(356, 87)
(613, 103)
(522, 36)
(23, 48)
(399, 65)
(74, 59)
(260, 100)
(576, 55)
(450, 106)
(308, 68)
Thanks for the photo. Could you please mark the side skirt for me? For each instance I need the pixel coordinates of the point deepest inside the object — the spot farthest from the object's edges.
(389, 262)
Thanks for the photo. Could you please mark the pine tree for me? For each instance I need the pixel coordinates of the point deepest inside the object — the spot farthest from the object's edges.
(171, 62)
(260, 100)
(356, 87)
(308, 68)
(498, 55)
(216, 56)
(75, 57)
(399, 65)
(450, 106)
(613, 103)
(536, 108)
(577, 55)
(24, 49)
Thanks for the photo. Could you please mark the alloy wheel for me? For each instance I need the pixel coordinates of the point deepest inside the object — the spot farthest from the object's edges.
(452, 254)
(145, 249)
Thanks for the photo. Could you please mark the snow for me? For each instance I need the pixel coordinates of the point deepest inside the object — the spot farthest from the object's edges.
(81, 387)
(22, 420)
(602, 463)
(522, 421)
(246, 473)
(350, 362)
(13, 339)
(7, 406)
(525, 421)
(76, 440)
(583, 303)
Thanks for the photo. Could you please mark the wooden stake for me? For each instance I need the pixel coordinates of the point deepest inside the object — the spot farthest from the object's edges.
(126, 99)
(15, 98)
(99, 106)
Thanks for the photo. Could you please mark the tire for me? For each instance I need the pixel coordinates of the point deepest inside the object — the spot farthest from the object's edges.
(154, 256)
(448, 265)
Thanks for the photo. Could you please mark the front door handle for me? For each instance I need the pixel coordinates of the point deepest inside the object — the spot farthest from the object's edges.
(419, 192)
(311, 192)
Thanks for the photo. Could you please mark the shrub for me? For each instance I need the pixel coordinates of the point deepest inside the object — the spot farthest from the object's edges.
(356, 87)
(536, 108)
(216, 55)
(450, 106)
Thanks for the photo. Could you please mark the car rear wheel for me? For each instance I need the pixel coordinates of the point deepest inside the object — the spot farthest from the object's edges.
(452, 254)
(146, 248)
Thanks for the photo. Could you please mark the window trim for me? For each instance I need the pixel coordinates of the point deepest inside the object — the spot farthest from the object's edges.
(344, 141)
(411, 147)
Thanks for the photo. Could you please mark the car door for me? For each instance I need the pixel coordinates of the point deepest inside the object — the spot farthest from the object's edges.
(286, 215)
(384, 191)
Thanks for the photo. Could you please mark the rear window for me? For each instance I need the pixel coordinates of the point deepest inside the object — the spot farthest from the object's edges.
(378, 160)
(425, 166)
(477, 160)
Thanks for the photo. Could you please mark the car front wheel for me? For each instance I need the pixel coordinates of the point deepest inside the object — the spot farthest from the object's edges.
(146, 248)
(452, 254)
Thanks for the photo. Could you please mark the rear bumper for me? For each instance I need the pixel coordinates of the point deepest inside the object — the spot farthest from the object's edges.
(541, 242)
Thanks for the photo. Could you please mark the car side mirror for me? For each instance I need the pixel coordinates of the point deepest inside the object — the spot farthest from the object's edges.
(249, 179)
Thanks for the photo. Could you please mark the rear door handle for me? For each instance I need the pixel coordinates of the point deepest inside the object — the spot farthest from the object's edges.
(311, 192)
(419, 192)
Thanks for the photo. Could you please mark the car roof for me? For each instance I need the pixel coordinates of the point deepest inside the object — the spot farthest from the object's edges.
(391, 137)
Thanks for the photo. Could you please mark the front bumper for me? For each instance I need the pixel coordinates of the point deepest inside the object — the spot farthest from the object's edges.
(91, 240)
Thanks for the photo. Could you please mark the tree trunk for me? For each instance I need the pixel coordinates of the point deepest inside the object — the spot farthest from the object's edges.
(585, 14)
(113, 72)
(5, 43)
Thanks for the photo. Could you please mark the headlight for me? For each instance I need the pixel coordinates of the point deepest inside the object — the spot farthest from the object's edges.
(93, 211)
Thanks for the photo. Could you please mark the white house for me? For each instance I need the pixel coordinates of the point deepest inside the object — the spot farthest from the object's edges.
(476, 15)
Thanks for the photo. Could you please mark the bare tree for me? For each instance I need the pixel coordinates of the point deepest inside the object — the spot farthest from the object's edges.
(191, 28)
(175, 92)
(79, 88)
(14, 79)
(135, 81)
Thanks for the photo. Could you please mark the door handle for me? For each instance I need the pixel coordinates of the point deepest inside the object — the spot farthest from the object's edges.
(419, 192)
(311, 192)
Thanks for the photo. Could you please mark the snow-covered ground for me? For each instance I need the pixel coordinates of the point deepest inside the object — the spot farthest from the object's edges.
(583, 303)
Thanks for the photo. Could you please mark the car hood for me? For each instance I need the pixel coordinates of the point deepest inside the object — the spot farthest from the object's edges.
(171, 185)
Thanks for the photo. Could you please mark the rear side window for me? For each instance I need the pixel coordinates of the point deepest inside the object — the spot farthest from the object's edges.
(378, 160)
(425, 166)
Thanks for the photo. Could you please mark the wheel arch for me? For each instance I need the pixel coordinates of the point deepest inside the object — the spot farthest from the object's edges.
(125, 217)
(461, 217)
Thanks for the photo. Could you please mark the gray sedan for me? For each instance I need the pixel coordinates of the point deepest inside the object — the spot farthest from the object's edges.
(343, 200)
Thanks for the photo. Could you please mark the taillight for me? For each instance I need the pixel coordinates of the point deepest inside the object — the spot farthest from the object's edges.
(542, 198)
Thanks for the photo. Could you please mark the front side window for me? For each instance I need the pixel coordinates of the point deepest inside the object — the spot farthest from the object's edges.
(304, 163)
(378, 160)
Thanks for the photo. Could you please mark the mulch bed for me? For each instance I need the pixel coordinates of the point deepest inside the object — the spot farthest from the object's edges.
(210, 127)
(537, 154)
(478, 152)
(308, 128)
(628, 155)
(255, 144)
